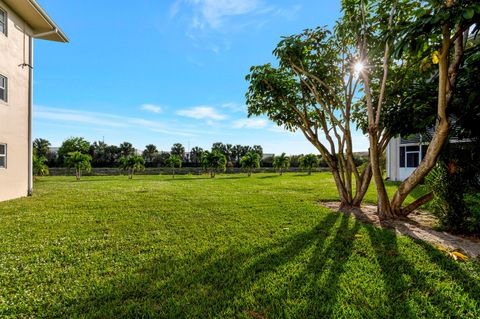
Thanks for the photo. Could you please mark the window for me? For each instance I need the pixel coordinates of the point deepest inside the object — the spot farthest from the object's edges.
(3, 88)
(410, 156)
(3, 155)
(3, 22)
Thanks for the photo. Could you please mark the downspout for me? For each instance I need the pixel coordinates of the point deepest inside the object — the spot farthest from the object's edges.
(30, 109)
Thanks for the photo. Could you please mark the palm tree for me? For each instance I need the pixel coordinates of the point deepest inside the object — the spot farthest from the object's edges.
(150, 153)
(173, 161)
(39, 166)
(126, 149)
(213, 161)
(250, 161)
(308, 162)
(80, 162)
(196, 155)
(280, 163)
(178, 149)
(41, 146)
(131, 164)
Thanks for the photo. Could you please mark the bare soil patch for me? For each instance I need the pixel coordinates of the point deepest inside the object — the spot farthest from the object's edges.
(418, 225)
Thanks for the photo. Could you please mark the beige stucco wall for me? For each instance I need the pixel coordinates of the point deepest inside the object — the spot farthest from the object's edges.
(14, 50)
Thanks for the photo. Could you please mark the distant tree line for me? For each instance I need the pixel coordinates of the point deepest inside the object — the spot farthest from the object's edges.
(78, 154)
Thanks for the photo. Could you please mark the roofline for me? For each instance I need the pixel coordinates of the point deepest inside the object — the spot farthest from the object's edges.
(55, 28)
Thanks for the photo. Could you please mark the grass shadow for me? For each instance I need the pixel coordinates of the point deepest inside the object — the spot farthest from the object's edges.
(403, 281)
(269, 176)
(204, 285)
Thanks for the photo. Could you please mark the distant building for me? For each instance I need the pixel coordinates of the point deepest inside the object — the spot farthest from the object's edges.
(21, 21)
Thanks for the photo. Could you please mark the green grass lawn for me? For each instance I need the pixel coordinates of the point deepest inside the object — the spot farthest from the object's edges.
(230, 247)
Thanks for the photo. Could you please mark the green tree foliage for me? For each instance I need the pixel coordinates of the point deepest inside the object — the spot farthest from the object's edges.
(126, 149)
(39, 165)
(99, 152)
(179, 150)
(173, 161)
(455, 180)
(196, 155)
(213, 162)
(79, 162)
(250, 162)
(149, 154)
(450, 201)
(41, 147)
(313, 90)
(308, 162)
(422, 34)
(73, 144)
(281, 163)
(132, 163)
(258, 149)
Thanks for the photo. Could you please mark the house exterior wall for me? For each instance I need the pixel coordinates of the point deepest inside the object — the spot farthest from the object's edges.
(411, 151)
(14, 114)
(392, 164)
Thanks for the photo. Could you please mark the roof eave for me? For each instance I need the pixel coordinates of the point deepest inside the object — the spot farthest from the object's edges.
(42, 26)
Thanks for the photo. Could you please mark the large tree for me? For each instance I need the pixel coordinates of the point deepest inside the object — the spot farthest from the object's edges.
(436, 29)
(313, 90)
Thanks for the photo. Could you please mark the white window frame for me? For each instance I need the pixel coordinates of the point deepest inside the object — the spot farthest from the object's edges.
(4, 155)
(5, 88)
(5, 27)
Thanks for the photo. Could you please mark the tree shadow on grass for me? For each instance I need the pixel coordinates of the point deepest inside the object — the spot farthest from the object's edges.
(261, 281)
(209, 284)
(470, 284)
(269, 176)
(404, 282)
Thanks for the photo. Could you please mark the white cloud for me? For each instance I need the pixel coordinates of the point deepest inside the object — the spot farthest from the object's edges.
(235, 107)
(95, 119)
(152, 108)
(212, 13)
(175, 8)
(250, 123)
(202, 112)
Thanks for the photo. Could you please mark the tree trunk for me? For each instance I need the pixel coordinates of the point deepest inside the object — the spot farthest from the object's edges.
(384, 210)
(173, 172)
(446, 82)
(363, 185)
(342, 192)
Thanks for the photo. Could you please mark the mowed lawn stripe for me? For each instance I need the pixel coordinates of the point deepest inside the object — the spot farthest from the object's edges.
(233, 246)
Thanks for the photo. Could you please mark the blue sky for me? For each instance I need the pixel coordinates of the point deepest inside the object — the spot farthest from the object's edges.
(165, 71)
